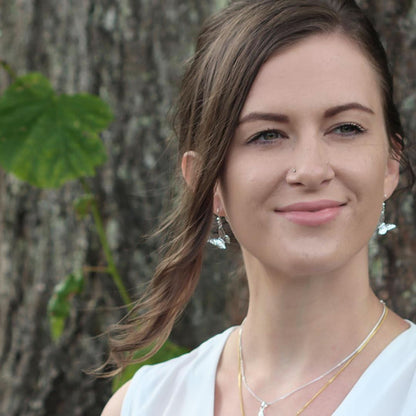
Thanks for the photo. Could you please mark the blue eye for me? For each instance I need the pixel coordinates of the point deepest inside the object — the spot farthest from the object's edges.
(266, 136)
(349, 129)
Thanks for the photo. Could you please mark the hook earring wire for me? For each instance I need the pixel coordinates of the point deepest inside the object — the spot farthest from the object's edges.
(383, 228)
(222, 238)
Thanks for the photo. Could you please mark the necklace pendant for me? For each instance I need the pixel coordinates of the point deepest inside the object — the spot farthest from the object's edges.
(262, 407)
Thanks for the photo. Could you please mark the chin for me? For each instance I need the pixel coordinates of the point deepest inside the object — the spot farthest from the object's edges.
(304, 265)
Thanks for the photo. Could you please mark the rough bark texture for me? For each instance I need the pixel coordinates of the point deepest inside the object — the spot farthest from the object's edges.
(393, 264)
(130, 52)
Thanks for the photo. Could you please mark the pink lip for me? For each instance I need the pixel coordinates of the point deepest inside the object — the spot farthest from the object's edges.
(311, 213)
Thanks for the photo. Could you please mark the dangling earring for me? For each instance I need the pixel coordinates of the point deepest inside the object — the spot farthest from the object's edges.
(382, 227)
(222, 238)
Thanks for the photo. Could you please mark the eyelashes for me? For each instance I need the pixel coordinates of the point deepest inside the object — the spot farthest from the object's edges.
(269, 136)
(349, 129)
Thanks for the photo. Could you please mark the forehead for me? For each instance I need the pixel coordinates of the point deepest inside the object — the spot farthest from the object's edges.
(317, 72)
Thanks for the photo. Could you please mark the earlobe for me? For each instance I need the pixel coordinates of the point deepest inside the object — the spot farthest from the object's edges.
(218, 205)
(190, 166)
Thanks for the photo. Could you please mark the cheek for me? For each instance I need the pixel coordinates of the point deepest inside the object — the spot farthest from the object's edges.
(247, 183)
(367, 185)
(364, 169)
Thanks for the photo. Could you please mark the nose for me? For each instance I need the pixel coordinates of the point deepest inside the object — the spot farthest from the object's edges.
(311, 165)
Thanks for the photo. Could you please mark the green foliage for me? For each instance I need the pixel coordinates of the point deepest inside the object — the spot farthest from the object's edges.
(169, 350)
(83, 205)
(59, 305)
(48, 139)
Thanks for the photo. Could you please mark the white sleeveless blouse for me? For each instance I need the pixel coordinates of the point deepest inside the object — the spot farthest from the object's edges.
(185, 386)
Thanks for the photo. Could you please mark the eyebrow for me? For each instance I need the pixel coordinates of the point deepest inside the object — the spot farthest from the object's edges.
(282, 118)
(345, 107)
(279, 118)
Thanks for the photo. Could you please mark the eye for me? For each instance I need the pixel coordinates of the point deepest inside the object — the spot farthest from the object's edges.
(266, 137)
(348, 129)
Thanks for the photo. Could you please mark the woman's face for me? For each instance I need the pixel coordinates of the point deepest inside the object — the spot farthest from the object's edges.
(309, 164)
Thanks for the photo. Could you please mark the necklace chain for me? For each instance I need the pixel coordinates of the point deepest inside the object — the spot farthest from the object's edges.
(341, 365)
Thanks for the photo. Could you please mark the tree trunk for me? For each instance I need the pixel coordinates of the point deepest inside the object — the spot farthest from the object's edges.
(130, 52)
(393, 260)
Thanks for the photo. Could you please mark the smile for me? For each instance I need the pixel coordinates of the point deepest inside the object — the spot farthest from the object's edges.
(311, 213)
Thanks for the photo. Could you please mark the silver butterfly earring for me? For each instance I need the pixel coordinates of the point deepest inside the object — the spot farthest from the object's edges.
(222, 238)
(383, 228)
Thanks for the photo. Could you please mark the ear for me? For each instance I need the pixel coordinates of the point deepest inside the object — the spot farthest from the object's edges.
(190, 166)
(218, 204)
(391, 177)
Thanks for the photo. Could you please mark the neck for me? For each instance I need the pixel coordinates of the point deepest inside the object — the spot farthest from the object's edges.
(302, 325)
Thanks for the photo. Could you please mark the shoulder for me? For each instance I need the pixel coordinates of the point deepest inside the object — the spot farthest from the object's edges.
(207, 354)
(388, 386)
(400, 356)
(406, 341)
(209, 351)
(114, 405)
(175, 381)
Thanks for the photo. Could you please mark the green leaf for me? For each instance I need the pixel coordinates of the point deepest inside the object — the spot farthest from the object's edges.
(82, 205)
(169, 350)
(57, 326)
(48, 139)
(59, 305)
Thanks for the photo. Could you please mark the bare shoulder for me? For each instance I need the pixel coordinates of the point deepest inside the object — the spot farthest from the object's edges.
(113, 407)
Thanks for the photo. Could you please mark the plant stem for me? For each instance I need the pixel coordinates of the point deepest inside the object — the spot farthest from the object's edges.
(12, 73)
(112, 268)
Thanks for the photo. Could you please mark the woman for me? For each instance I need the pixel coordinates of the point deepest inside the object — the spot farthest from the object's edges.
(288, 130)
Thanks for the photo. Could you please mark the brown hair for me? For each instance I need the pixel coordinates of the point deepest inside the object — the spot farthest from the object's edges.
(230, 50)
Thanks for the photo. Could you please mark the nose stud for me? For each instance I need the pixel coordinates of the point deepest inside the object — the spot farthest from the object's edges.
(293, 170)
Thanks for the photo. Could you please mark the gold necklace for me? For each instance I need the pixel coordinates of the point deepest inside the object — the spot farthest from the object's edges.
(325, 386)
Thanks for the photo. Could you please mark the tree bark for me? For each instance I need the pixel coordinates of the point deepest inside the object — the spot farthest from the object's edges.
(130, 52)
(393, 260)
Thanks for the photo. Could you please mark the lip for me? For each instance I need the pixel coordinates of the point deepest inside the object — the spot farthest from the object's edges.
(311, 213)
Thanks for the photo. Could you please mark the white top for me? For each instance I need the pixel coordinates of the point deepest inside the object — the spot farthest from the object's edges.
(185, 386)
